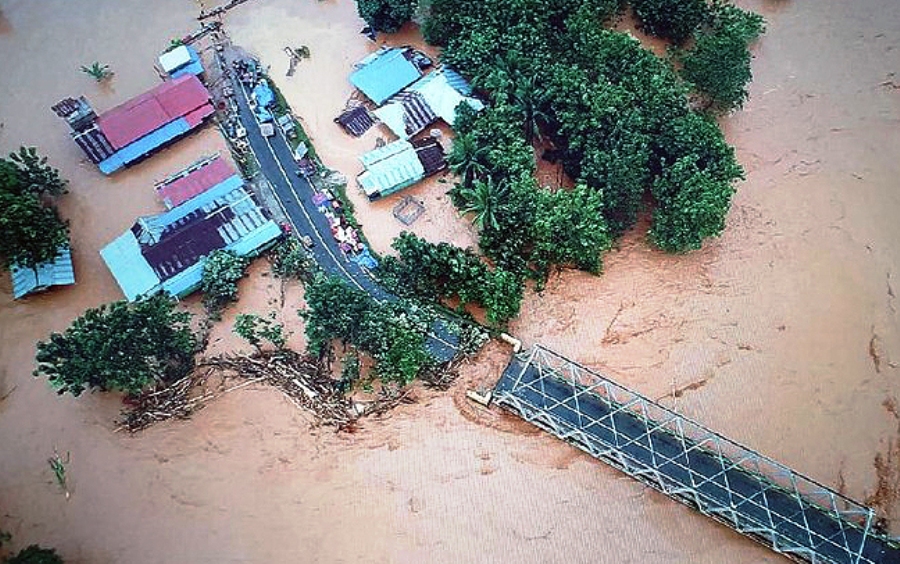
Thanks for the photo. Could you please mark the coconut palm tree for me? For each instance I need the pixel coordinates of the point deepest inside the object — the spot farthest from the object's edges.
(530, 99)
(482, 198)
(468, 159)
(97, 71)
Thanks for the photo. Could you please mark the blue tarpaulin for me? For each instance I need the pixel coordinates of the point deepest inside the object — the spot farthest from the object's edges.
(365, 259)
(264, 98)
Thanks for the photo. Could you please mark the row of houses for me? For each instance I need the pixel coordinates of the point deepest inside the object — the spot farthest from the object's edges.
(209, 208)
(408, 101)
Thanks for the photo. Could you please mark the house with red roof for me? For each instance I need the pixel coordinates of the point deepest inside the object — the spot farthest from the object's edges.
(136, 128)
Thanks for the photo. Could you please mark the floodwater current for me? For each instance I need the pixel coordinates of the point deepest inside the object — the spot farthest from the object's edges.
(782, 334)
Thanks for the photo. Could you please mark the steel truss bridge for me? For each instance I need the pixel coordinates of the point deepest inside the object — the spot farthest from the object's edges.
(751, 493)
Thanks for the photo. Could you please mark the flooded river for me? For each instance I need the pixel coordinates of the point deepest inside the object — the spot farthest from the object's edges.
(783, 334)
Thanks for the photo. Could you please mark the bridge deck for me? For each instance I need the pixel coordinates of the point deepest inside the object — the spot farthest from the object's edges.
(753, 494)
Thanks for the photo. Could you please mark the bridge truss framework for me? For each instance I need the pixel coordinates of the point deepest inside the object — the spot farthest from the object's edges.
(747, 491)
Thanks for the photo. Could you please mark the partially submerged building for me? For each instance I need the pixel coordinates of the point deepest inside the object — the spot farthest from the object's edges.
(398, 165)
(180, 61)
(58, 272)
(133, 130)
(435, 96)
(387, 71)
(166, 252)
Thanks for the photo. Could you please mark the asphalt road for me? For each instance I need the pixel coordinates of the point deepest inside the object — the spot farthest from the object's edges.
(758, 504)
(294, 194)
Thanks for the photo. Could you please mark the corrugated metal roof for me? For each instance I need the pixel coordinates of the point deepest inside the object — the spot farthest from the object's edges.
(382, 153)
(384, 73)
(390, 169)
(431, 155)
(190, 183)
(94, 144)
(355, 121)
(180, 61)
(144, 146)
(166, 251)
(59, 272)
(444, 90)
(129, 268)
(143, 114)
(406, 114)
(175, 58)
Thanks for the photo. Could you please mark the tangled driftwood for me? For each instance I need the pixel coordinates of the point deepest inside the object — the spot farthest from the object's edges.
(304, 381)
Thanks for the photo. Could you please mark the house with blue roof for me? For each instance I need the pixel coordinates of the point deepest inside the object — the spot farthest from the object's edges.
(435, 96)
(166, 252)
(399, 165)
(58, 272)
(386, 72)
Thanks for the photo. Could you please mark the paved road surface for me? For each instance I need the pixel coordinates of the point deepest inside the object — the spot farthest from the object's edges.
(294, 194)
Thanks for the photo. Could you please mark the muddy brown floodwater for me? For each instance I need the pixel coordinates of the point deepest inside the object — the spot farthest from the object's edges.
(782, 334)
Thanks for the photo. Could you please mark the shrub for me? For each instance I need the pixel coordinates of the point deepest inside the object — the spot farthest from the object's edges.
(221, 273)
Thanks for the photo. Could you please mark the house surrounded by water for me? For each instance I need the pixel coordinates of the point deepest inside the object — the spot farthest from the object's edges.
(133, 130)
(210, 208)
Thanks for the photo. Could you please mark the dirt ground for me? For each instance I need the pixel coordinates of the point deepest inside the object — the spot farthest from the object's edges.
(782, 334)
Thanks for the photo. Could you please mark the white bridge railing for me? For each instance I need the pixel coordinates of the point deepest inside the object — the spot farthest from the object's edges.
(759, 497)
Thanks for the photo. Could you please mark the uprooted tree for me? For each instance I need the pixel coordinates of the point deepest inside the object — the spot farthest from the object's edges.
(119, 347)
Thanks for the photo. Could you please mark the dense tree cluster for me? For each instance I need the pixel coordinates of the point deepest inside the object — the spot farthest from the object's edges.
(670, 19)
(443, 271)
(386, 15)
(119, 346)
(718, 65)
(616, 116)
(31, 230)
(392, 333)
(34, 554)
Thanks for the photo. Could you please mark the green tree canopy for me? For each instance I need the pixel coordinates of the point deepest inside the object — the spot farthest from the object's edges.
(444, 271)
(671, 19)
(32, 175)
(119, 346)
(31, 230)
(718, 65)
(256, 329)
(31, 233)
(386, 15)
(34, 554)
(221, 273)
(691, 206)
(392, 333)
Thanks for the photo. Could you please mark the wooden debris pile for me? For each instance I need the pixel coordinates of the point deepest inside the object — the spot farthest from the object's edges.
(303, 381)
